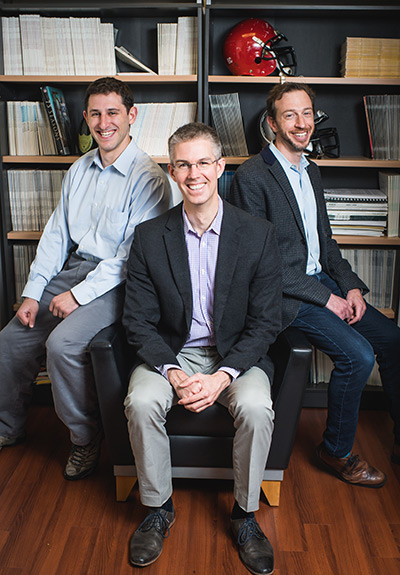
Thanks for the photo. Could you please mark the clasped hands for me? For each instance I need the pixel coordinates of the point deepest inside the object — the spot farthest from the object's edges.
(198, 391)
(351, 309)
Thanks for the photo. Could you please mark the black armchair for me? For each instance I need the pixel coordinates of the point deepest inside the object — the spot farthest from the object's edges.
(201, 444)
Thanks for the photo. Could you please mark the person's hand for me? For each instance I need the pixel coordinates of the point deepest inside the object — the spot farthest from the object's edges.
(27, 312)
(356, 301)
(63, 304)
(211, 388)
(178, 379)
(340, 307)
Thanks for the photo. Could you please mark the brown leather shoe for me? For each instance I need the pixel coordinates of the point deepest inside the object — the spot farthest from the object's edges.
(351, 469)
(396, 454)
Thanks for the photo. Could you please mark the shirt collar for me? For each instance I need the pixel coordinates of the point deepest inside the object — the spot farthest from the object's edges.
(215, 225)
(124, 160)
(285, 162)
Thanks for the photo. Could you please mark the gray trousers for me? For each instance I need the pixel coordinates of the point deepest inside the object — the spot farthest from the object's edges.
(65, 344)
(151, 396)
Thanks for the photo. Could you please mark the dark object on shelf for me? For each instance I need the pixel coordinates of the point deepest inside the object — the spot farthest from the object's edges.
(60, 122)
(86, 142)
(251, 49)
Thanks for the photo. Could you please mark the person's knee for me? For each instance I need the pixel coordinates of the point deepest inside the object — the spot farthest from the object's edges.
(359, 359)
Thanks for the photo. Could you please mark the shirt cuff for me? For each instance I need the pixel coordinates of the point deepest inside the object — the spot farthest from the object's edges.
(163, 369)
(234, 373)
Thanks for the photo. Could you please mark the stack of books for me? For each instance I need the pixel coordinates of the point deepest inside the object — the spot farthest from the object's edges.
(37, 45)
(389, 183)
(227, 118)
(33, 196)
(357, 211)
(177, 46)
(155, 122)
(370, 58)
(383, 123)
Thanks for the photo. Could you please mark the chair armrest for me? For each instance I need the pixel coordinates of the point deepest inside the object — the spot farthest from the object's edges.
(291, 354)
(112, 360)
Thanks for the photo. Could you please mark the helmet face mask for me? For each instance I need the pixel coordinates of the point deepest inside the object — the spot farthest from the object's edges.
(251, 49)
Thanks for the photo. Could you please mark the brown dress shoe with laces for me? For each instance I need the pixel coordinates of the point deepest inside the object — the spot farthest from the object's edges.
(351, 469)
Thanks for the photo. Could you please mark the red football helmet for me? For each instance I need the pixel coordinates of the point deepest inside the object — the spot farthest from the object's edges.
(250, 49)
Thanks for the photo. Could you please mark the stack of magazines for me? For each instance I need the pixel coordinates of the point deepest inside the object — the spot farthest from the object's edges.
(359, 212)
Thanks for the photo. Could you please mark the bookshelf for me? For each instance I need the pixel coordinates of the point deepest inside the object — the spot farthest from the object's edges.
(136, 22)
(316, 31)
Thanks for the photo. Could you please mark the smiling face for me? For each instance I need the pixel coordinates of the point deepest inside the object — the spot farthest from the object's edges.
(109, 123)
(294, 123)
(199, 187)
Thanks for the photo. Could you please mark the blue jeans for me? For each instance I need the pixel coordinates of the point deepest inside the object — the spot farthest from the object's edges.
(352, 350)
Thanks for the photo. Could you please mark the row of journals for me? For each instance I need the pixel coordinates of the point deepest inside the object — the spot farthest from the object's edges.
(383, 124)
(370, 58)
(33, 132)
(366, 212)
(39, 45)
(33, 196)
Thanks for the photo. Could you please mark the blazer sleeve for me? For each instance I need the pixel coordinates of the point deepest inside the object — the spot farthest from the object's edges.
(142, 314)
(263, 308)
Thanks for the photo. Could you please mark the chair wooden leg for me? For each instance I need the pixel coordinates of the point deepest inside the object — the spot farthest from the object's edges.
(124, 486)
(271, 491)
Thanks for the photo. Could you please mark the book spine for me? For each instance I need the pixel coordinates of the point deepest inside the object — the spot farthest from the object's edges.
(53, 122)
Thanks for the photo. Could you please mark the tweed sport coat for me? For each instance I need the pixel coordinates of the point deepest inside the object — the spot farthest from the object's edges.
(247, 295)
(260, 187)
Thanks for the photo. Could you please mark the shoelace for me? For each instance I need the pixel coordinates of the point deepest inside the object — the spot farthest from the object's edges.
(249, 528)
(156, 520)
(352, 461)
(79, 453)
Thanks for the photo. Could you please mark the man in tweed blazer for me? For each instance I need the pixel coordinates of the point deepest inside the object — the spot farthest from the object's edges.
(322, 295)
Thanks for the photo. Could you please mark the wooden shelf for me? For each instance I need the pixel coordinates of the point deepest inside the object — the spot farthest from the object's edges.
(366, 241)
(59, 159)
(230, 79)
(24, 236)
(341, 240)
(132, 78)
(346, 162)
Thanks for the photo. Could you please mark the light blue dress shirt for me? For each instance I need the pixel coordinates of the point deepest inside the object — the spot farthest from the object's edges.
(304, 193)
(97, 214)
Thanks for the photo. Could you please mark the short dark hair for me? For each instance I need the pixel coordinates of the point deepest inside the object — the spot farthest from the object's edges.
(280, 89)
(194, 131)
(108, 85)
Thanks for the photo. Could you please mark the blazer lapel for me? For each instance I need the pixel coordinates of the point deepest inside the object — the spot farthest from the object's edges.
(279, 174)
(228, 250)
(178, 259)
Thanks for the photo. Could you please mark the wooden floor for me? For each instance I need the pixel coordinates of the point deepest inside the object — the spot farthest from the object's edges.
(49, 526)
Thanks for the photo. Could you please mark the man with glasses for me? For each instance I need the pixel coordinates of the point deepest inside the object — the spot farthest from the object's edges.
(203, 305)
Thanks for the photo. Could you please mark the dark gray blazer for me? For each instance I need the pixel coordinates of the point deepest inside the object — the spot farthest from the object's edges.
(260, 187)
(247, 296)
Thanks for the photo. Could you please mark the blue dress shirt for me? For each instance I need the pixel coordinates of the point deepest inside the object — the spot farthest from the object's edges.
(96, 216)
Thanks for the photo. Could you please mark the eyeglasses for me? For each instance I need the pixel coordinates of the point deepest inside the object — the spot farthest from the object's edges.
(201, 165)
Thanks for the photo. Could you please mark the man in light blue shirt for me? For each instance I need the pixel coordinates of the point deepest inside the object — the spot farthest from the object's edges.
(76, 282)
